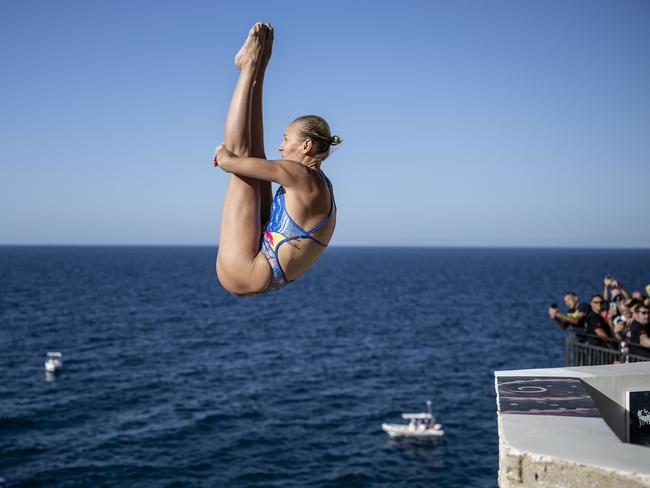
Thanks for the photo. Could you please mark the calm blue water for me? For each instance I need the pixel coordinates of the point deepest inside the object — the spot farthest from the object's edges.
(170, 381)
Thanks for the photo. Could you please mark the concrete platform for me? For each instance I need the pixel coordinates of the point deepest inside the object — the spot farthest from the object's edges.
(566, 427)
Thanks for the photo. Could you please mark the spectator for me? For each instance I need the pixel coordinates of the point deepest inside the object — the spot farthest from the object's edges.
(616, 307)
(616, 319)
(638, 333)
(628, 310)
(616, 289)
(616, 286)
(577, 312)
(619, 327)
(595, 324)
(637, 295)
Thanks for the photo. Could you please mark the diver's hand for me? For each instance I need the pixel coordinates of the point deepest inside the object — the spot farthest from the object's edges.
(221, 156)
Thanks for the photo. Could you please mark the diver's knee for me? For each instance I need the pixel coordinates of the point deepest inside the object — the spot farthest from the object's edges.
(222, 275)
(232, 281)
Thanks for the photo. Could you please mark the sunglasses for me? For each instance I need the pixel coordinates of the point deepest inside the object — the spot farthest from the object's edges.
(596, 301)
(644, 312)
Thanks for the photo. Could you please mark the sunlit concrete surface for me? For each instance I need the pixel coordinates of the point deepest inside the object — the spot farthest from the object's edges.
(556, 431)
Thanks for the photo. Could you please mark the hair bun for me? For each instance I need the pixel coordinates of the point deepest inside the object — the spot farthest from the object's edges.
(335, 140)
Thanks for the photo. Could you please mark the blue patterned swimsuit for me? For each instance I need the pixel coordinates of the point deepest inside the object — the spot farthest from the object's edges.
(282, 228)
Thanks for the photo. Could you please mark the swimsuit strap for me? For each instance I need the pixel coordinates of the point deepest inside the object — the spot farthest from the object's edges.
(327, 217)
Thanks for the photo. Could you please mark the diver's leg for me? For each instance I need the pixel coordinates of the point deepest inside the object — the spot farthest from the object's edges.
(257, 124)
(239, 266)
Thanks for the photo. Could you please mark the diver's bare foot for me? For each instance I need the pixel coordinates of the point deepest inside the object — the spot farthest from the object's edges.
(268, 46)
(250, 54)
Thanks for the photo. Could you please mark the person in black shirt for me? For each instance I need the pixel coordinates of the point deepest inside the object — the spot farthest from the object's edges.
(638, 334)
(595, 324)
(576, 316)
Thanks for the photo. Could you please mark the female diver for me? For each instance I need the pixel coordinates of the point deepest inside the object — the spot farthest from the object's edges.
(300, 220)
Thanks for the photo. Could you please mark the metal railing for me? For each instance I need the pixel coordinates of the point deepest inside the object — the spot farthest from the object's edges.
(582, 349)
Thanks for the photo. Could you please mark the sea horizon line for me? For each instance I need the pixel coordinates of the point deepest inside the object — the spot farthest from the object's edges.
(344, 246)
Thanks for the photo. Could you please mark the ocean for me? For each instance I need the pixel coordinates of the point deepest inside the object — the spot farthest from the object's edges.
(170, 381)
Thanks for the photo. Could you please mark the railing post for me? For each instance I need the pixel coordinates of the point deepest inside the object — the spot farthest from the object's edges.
(566, 351)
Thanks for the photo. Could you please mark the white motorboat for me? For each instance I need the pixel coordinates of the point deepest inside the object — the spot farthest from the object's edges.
(420, 425)
(53, 362)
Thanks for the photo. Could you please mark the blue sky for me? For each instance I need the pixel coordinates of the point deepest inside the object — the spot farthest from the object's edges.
(502, 123)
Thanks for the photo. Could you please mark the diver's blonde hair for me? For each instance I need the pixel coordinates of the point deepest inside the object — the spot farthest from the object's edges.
(317, 130)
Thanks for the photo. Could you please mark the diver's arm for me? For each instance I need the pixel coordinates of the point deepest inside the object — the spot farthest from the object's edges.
(287, 173)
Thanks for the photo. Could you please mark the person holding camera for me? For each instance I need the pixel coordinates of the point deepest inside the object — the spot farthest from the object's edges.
(616, 289)
(576, 315)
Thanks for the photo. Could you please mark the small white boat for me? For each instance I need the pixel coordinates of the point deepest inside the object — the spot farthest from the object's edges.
(420, 425)
(53, 362)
